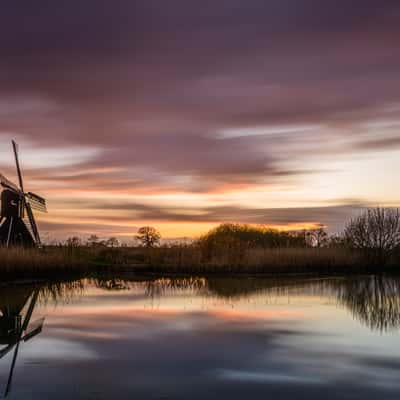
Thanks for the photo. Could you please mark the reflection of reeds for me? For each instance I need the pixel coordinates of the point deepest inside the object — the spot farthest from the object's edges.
(152, 287)
(374, 300)
(61, 292)
(14, 296)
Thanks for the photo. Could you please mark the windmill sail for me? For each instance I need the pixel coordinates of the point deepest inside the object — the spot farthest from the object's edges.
(37, 202)
(15, 148)
(7, 183)
(35, 328)
(32, 223)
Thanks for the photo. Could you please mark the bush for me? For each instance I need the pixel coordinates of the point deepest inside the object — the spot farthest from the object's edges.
(234, 240)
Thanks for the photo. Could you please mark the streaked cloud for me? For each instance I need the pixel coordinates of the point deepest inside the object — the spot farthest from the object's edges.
(142, 98)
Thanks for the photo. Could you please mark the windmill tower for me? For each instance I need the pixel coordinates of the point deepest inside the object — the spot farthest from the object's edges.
(17, 222)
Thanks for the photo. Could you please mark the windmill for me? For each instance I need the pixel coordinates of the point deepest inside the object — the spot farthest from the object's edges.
(16, 206)
(13, 327)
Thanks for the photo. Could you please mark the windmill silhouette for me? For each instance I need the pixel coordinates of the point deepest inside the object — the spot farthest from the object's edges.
(16, 204)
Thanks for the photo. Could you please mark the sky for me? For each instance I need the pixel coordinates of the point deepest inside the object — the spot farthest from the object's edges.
(183, 114)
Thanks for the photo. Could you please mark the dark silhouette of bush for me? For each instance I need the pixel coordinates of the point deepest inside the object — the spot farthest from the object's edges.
(233, 240)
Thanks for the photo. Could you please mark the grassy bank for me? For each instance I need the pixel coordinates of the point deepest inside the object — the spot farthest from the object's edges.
(19, 262)
(58, 261)
(259, 261)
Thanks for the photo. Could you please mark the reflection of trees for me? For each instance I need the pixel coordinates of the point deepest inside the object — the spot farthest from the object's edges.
(236, 288)
(111, 284)
(375, 301)
(155, 287)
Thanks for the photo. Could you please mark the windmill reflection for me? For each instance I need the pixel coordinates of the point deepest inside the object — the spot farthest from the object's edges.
(15, 325)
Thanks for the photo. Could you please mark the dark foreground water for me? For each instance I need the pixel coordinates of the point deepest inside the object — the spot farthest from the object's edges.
(202, 339)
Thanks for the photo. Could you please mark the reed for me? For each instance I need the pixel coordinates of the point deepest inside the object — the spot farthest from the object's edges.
(26, 262)
(256, 260)
(181, 259)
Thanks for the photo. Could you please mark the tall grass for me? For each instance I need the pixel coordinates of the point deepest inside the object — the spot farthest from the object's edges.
(185, 259)
(255, 260)
(26, 262)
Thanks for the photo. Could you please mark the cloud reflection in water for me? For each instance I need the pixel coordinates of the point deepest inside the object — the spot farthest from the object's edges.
(209, 339)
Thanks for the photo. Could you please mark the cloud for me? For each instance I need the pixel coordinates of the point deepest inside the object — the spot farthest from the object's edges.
(268, 344)
(149, 87)
(124, 218)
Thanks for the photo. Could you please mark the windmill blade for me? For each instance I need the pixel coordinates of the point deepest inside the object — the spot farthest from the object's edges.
(37, 202)
(32, 222)
(6, 350)
(10, 375)
(34, 330)
(15, 148)
(29, 312)
(8, 184)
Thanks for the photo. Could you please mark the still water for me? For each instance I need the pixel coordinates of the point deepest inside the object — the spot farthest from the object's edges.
(197, 338)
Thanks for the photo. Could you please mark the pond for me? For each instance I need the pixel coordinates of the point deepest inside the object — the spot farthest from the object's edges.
(201, 338)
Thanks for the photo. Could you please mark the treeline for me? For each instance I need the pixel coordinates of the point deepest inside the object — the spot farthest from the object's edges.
(369, 243)
(373, 235)
(147, 236)
(227, 234)
(262, 237)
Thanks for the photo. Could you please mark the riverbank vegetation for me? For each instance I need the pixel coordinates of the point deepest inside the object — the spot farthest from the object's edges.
(370, 242)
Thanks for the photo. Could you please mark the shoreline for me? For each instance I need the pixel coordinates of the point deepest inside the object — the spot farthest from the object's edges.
(125, 272)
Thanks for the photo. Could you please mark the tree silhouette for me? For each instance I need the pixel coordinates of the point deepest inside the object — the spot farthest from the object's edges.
(93, 240)
(112, 242)
(73, 241)
(376, 232)
(148, 236)
(317, 237)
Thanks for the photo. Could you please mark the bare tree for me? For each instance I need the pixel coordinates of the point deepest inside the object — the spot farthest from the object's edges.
(93, 240)
(376, 232)
(112, 242)
(73, 241)
(336, 241)
(148, 236)
(317, 237)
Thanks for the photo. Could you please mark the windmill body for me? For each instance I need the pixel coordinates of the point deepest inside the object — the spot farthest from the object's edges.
(17, 222)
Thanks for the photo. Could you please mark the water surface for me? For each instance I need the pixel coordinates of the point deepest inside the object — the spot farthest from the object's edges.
(197, 338)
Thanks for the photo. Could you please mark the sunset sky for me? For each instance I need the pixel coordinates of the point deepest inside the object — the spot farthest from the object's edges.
(182, 114)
